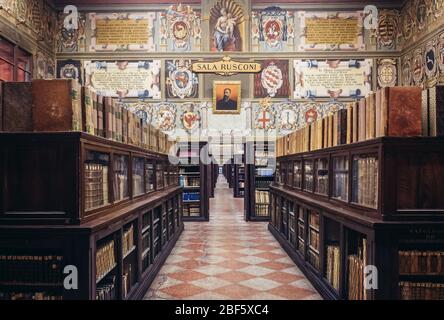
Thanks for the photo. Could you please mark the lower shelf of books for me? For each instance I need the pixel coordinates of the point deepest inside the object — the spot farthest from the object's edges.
(346, 258)
(113, 262)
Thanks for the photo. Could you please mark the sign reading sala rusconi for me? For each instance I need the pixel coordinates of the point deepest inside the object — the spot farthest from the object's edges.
(226, 67)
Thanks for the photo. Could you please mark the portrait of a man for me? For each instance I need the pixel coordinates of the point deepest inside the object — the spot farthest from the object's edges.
(226, 97)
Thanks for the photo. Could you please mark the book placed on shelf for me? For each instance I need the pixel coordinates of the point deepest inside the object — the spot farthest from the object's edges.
(356, 263)
(87, 110)
(105, 260)
(349, 134)
(425, 112)
(370, 116)
(342, 127)
(362, 120)
(421, 290)
(355, 126)
(401, 114)
(333, 265)
(436, 110)
(101, 115)
(415, 262)
(57, 105)
(16, 106)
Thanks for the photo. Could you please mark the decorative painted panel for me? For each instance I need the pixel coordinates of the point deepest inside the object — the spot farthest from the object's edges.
(332, 78)
(273, 81)
(180, 81)
(125, 79)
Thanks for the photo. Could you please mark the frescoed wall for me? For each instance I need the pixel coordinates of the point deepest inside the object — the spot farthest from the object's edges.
(155, 45)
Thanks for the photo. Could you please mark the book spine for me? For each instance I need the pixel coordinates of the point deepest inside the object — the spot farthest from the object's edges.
(370, 116)
(88, 110)
(355, 127)
(335, 129)
(108, 118)
(349, 135)
(100, 116)
(404, 116)
(94, 113)
(362, 120)
(426, 130)
(76, 94)
(342, 126)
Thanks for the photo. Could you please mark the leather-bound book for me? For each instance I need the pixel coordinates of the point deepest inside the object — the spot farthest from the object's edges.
(404, 111)
(108, 116)
(349, 134)
(370, 116)
(436, 108)
(87, 110)
(325, 132)
(319, 133)
(1, 106)
(355, 129)
(101, 115)
(362, 120)
(425, 112)
(57, 105)
(313, 136)
(94, 112)
(342, 126)
(17, 106)
(306, 146)
(124, 125)
(330, 131)
(335, 129)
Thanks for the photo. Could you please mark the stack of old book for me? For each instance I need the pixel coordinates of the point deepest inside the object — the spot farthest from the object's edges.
(356, 263)
(333, 264)
(392, 111)
(64, 105)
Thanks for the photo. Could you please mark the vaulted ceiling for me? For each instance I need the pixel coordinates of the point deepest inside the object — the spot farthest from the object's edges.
(123, 2)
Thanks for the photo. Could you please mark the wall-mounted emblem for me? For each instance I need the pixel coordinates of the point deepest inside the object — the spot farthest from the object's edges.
(407, 23)
(387, 73)
(387, 28)
(418, 66)
(430, 60)
(406, 70)
(226, 67)
(179, 26)
(440, 48)
(166, 117)
(190, 118)
(288, 118)
(265, 117)
(181, 82)
(421, 14)
(272, 79)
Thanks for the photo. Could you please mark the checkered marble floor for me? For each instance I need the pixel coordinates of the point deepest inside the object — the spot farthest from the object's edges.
(229, 259)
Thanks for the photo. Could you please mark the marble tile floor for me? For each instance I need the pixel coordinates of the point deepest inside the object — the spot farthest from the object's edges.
(229, 259)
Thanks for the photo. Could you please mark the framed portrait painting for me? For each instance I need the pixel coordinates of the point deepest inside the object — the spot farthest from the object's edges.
(226, 97)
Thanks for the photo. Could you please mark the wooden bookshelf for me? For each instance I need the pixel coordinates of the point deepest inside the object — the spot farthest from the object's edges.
(239, 176)
(339, 214)
(113, 245)
(195, 178)
(259, 174)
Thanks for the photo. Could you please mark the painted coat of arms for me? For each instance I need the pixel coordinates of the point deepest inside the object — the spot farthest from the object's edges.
(166, 117)
(387, 73)
(265, 116)
(388, 28)
(181, 82)
(289, 118)
(418, 67)
(441, 52)
(180, 28)
(430, 62)
(273, 28)
(190, 118)
(273, 80)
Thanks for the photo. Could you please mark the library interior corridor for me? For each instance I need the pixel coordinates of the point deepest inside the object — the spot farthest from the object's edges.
(228, 258)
